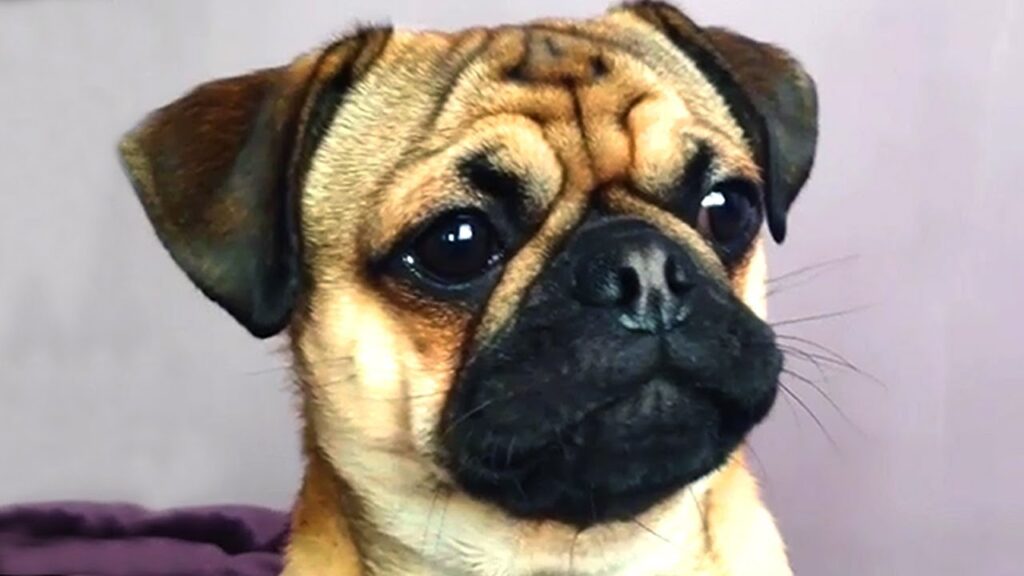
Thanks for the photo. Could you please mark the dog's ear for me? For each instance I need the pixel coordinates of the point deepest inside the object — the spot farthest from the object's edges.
(786, 97)
(218, 170)
(770, 94)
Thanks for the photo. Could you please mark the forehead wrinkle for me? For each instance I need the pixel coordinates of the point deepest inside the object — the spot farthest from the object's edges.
(540, 184)
(648, 46)
(483, 88)
(608, 144)
(637, 54)
(454, 79)
(498, 42)
(443, 78)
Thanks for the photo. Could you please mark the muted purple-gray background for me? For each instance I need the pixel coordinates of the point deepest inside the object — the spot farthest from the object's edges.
(118, 381)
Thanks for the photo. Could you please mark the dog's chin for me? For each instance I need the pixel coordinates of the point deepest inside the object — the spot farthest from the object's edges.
(612, 462)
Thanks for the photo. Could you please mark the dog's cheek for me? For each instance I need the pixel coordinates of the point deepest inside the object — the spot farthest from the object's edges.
(350, 355)
(378, 373)
(436, 337)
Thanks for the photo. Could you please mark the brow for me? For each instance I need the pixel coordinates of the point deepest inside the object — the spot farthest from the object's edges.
(484, 175)
(695, 175)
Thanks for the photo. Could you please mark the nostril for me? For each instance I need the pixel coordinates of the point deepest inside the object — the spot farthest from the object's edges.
(600, 282)
(677, 278)
(629, 285)
(615, 287)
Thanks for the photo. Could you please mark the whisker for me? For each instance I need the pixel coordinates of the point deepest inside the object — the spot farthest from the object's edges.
(760, 466)
(827, 398)
(430, 515)
(519, 488)
(572, 550)
(651, 531)
(812, 268)
(495, 447)
(832, 357)
(816, 345)
(399, 398)
(705, 527)
(444, 514)
(801, 355)
(814, 358)
(291, 366)
(815, 317)
(509, 450)
(792, 410)
(479, 408)
(791, 286)
(349, 378)
(561, 443)
(593, 505)
(814, 417)
(817, 360)
(476, 410)
(266, 371)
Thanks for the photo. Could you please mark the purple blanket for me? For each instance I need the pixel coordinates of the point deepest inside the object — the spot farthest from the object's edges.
(124, 540)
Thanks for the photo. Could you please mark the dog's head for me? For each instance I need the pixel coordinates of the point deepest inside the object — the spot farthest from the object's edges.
(521, 263)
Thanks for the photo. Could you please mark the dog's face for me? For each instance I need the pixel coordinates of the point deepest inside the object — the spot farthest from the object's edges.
(520, 265)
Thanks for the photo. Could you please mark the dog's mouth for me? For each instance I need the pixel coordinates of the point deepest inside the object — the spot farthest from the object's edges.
(652, 402)
(608, 460)
(523, 456)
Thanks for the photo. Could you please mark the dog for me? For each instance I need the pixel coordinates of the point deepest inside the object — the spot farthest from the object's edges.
(522, 274)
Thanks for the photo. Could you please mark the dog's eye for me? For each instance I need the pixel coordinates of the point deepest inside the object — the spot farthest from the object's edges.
(729, 216)
(455, 248)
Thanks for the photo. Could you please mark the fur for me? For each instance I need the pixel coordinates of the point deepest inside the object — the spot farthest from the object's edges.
(284, 194)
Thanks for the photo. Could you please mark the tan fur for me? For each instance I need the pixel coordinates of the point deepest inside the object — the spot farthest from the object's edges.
(599, 112)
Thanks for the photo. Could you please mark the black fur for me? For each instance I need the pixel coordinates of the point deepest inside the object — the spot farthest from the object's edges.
(484, 176)
(570, 415)
(686, 192)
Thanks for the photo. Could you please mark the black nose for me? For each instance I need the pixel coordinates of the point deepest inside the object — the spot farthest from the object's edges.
(639, 270)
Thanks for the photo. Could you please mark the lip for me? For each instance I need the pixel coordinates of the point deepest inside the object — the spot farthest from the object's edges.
(654, 394)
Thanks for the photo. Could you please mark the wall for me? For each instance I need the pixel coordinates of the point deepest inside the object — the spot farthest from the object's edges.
(117, 381)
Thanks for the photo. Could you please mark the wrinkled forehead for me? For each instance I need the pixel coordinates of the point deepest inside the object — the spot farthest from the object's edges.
(562, 108)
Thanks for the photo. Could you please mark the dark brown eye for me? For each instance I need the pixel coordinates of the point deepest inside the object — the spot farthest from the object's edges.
(729, 217)
(456, 248)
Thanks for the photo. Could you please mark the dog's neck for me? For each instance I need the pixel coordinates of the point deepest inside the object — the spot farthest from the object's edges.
(715, 527)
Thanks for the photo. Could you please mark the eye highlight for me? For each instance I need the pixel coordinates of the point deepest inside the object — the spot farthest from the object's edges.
(456, 248)
(729, 217)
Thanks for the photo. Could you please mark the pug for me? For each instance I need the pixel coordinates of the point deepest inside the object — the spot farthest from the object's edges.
(521, 273)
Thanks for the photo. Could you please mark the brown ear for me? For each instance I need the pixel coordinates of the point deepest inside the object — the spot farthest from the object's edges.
(769, 93)
(218, 171)
(785, 95)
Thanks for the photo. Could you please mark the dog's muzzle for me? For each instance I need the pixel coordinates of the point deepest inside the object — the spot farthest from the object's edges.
(627, 373)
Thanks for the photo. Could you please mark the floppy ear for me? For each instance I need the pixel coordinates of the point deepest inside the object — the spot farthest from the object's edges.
(786, 97)
(769, 93)
(218, 172)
